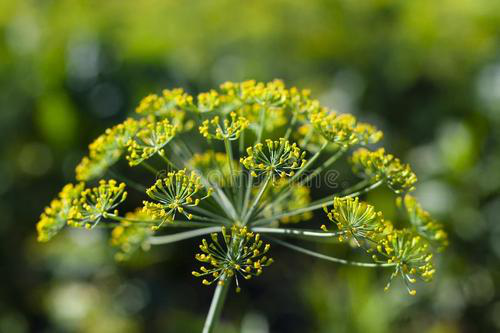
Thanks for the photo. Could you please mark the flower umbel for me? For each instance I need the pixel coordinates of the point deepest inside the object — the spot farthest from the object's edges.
(411, 256)
(355, 219)
(240, 254)
(228, 129)
(151, 139)
(254, 137)
(55, 216)
(176, 192)
(377, 165)
(274, 158)
(97, 203)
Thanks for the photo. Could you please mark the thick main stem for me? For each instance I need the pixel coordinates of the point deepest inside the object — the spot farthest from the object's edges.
(216, 305)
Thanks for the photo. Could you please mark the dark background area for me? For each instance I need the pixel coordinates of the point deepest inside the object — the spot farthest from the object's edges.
(426, 72)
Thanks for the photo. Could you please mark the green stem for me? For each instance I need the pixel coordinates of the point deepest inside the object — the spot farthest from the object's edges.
(262, 118)
(328, 258)
(257, 199)
(309, 163)
(148, 167)
(297, 232)
(216, 306)
(169, 163)
(167, 239)
(292, 124)
(325, 165)
(229, 155)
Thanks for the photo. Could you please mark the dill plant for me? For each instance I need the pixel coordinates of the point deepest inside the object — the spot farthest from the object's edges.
(246, 186)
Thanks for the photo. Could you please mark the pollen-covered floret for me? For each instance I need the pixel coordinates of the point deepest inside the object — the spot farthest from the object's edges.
(175, 193)
(149, 140)
(97, 203)
(229, 128)
(410, 255)
(241, 253)
(55, 216)
(106, 150)
(131, 235)
(274, 158)
(422, 222)
(377, 165)
(343, 129)
(355, 219)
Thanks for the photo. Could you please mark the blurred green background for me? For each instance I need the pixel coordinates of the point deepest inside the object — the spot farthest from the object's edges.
(427, 72)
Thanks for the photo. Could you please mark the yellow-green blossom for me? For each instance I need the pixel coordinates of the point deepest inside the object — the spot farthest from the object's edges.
(163, 105)
(274, 158)
(377, 165)
(355, 219)
(229, 128)
(175, 193)
(343, 129)
(55, 216)
(410, 255)
(97, 203)
(241, 253)
(106, 150)
(149, 140)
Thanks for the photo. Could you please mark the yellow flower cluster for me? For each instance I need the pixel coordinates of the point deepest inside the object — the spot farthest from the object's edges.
(408, 250)
(355, 219)
(274, 158)
(55, 216)
(149, 140)
(164, 105)
(377, 165)
(106, 150)
(410, 254)
(228, 129)
(131, 235)
(241, 253)
(97, 203)
(422, 222)
(343, 129)
(174, 193)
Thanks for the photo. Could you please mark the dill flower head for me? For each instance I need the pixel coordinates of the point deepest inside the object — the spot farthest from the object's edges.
(410, 255)
(240, 254)
(231, 163)
(343, 129)
(166, 104)
(149, 140)
(229, 128)
(274, 158)
(106, 150)
(377, 165)
(97, 203)
(55, 216)
(174, 194)
(355, 219)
